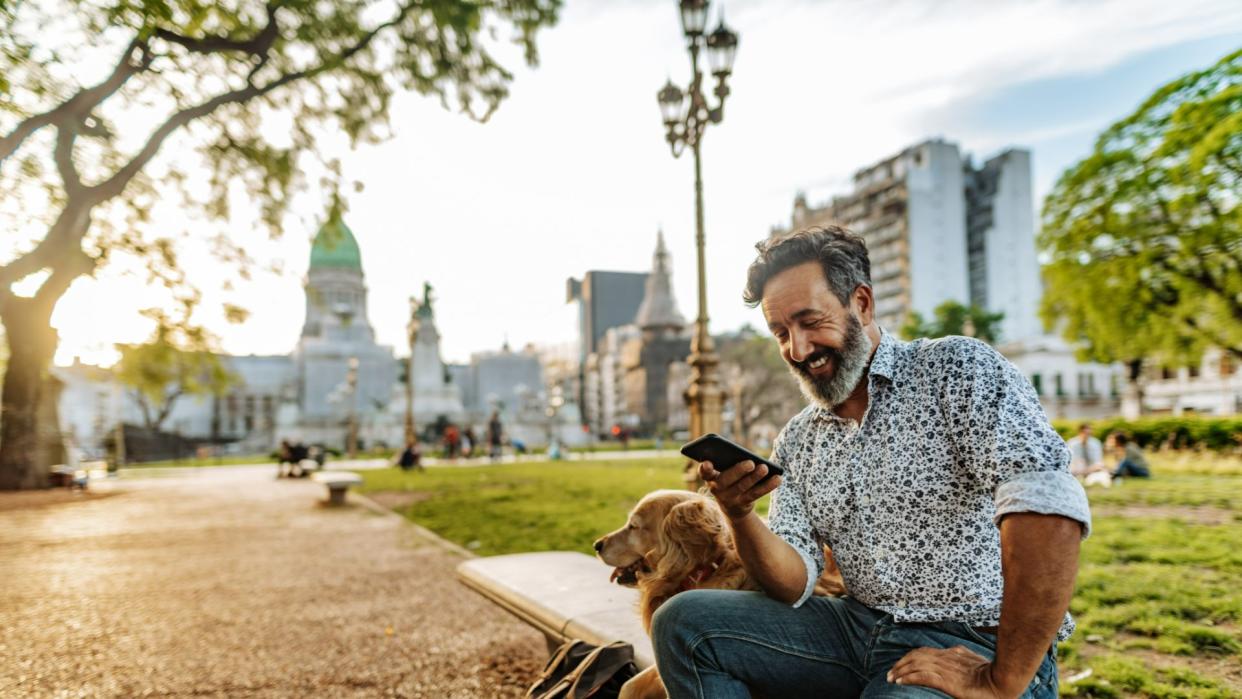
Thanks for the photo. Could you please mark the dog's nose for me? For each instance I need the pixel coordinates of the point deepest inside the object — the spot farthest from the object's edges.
(599, 545)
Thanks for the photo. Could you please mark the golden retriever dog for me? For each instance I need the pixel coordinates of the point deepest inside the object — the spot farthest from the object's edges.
(676, 540)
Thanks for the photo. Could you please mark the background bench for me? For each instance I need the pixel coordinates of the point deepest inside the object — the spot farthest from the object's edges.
(563, 594)
(338, 482)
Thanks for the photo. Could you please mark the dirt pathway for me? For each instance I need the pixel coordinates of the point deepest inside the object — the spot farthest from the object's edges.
(233, 584)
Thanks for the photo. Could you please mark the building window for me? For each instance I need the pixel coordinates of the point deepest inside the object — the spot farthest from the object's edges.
(1038, 382)
(1091, 384)
(1112, 385)
(1060, 385)
(1194, 371)
(1227, 366)
(1167, 373)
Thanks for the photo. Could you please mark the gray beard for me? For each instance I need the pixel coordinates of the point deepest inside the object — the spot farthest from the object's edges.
(849, 365)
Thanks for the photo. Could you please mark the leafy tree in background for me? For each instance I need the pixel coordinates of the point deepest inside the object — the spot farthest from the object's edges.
(953, 318)
(1144, 236)
(176, 361)
(757, 380)
(81, 160)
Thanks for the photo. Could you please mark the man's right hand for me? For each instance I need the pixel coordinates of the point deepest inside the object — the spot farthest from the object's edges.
(735, 488)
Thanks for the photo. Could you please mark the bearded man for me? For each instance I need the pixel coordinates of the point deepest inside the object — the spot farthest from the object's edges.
(930, 470)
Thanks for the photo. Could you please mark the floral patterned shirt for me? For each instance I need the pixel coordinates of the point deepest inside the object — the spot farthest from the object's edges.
(910, 499)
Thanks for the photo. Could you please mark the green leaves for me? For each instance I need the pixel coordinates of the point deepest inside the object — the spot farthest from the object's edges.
(953, 318)
(176, 361)
(1144, 236)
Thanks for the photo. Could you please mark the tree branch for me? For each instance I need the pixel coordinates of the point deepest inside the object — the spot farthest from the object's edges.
(114, 185)
(82, 103)
(169, 400)
(66, 134)
(258, 45)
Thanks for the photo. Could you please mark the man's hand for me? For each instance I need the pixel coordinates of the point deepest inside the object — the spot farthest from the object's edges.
(735, 487)
(957, 671)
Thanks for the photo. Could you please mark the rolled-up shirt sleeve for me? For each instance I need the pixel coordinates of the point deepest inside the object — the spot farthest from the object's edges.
(787, 518)
(1013, 448)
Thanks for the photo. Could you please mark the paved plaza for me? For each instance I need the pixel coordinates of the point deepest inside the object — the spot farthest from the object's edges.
(227, 582)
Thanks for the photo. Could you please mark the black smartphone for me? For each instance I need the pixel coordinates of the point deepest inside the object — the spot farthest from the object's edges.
(725, 454)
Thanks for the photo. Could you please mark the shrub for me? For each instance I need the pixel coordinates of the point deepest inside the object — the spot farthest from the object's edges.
(1213, 433)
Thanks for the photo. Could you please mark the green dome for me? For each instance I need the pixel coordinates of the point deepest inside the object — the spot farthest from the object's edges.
(335, 246)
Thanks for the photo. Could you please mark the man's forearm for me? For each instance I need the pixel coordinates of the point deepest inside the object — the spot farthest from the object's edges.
(769, 559)
(1039, 561)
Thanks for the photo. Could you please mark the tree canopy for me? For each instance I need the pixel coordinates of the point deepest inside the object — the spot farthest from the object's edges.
(176, 361)
(954, 318)
(1144, 236)
(757, 381)
(237, 95)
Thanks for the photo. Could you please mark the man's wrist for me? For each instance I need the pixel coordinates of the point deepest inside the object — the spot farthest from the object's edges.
(1007, 683)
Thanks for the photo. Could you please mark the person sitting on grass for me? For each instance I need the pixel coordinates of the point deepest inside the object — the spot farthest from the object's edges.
(1133, 464)
(1086, 453)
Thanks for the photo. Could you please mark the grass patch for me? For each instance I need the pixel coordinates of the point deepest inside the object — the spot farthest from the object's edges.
(536, 506)
(232, 460)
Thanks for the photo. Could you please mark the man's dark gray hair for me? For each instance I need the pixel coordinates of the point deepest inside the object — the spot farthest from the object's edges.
(841, 254)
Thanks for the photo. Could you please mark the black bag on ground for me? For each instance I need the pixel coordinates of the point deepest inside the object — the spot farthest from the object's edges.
(578, 670)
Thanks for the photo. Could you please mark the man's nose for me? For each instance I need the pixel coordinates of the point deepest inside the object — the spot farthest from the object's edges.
(599, 545)
(799, 346)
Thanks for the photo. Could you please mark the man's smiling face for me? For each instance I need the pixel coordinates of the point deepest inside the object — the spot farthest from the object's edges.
(821, 340)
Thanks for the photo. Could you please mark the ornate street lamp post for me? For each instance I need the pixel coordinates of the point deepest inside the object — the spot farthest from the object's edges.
(411, 432)
(684, 128)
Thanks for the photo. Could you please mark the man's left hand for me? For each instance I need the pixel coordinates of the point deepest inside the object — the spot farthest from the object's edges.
(956, 671)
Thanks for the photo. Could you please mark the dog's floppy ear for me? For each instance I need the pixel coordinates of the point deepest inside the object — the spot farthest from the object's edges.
(689, 536)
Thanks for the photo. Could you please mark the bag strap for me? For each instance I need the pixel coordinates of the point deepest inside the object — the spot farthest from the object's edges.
(549, 669)
(602, 672)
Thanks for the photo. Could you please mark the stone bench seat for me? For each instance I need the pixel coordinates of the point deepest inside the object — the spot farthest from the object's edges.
(564, 595)
(338, 482)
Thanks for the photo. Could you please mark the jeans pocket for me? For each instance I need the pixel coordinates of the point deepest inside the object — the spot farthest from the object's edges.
(986, 640)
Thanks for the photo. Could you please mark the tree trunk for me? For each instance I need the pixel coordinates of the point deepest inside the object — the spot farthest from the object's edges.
(1132, 394)
(29, 428)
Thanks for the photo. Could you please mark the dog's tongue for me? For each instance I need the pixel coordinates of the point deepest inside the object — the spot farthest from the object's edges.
(627, 576)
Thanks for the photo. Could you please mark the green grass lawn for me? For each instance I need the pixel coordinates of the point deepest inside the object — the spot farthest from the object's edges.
(537, 506)
(190, 462)
(1159, 598)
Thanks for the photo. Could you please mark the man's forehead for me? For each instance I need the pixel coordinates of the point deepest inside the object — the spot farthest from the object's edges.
(797, 291)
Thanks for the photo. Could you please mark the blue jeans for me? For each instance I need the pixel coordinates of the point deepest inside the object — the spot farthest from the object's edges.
(722, 644)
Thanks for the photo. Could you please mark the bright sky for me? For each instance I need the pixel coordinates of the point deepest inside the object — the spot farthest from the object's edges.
(573, 172)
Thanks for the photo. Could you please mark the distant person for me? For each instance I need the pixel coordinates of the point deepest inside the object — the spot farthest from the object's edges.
(1133, 464)
(495, 435)
(1086, 453)
(452, 441)
(411, 456)
(470, 443)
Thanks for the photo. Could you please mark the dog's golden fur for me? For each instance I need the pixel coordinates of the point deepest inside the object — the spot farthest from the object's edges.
(676, 540)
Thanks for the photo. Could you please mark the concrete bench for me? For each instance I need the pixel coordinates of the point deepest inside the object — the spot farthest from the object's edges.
(564, 595)
(338, 483)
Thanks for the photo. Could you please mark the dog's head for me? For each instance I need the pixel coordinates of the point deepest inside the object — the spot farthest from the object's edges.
(674, 524)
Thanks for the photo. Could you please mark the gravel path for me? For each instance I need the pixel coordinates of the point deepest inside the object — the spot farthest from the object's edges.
(234, 584)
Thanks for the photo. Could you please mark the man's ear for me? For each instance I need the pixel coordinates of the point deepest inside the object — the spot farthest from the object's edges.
(863, 302)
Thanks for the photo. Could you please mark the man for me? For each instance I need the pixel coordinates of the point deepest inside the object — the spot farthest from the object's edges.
(1086, 453)
(932, 473)
(1132, 462)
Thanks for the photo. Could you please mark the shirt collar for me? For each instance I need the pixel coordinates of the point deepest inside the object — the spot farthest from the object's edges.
(886, 362)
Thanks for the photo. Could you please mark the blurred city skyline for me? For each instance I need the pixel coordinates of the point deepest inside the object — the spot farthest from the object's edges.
(572, 172)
